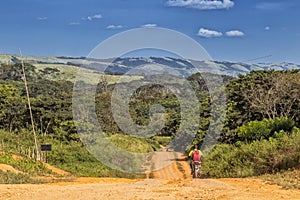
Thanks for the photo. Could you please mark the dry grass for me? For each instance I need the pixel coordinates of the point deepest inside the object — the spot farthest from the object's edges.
(287, 179)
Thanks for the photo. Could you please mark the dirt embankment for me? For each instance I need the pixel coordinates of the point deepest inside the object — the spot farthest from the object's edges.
(8, 168)
(171, 182)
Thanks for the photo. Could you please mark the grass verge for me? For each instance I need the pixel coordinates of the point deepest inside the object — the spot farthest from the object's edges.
(13, 178)
(287, 179)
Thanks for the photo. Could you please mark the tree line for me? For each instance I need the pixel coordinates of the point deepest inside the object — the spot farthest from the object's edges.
(257, 96)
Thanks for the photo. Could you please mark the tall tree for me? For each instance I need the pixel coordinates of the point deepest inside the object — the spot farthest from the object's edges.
(263, 94)
(12, 107)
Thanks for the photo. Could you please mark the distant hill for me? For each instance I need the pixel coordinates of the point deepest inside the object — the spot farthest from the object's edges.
(139, 66)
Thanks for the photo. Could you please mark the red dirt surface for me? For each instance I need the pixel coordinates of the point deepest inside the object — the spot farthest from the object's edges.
(171, 182)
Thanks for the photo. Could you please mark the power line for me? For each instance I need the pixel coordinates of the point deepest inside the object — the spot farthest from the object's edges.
(258, 58)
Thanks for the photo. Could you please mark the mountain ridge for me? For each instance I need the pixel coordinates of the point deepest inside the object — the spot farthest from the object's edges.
(143, 65)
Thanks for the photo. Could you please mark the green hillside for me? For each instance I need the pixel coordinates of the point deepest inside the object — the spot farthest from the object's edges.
(260, 134)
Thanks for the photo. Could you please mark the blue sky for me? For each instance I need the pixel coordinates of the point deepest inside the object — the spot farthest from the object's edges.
(233, 30)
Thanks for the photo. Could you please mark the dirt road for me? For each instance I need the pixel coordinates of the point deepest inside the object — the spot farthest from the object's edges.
(172, 182)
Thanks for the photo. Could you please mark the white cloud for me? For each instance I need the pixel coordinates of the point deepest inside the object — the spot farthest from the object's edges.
(235, 33)
(91, 18)
(209, 33)
(149, 25)
(267, 28)
(42, 18)
(114, 27)
(202, 4)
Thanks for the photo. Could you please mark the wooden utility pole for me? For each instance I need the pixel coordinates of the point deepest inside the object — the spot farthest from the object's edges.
(30, 111)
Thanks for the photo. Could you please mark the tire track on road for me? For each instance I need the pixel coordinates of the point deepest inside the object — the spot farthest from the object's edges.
(167, 166)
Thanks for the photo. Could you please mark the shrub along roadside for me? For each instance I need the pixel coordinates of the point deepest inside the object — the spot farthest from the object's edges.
(256, 158)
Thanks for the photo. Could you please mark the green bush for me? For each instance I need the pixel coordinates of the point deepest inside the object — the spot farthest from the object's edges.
(282, 124)
(259, 130)
(256, 158)
(254, 130)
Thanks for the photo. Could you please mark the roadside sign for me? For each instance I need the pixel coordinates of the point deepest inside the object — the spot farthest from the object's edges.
(46, 147)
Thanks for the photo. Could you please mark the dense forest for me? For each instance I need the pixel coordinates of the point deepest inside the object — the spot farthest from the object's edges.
(259, 135)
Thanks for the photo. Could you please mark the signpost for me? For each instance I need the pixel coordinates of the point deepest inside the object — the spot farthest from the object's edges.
(44, 149)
